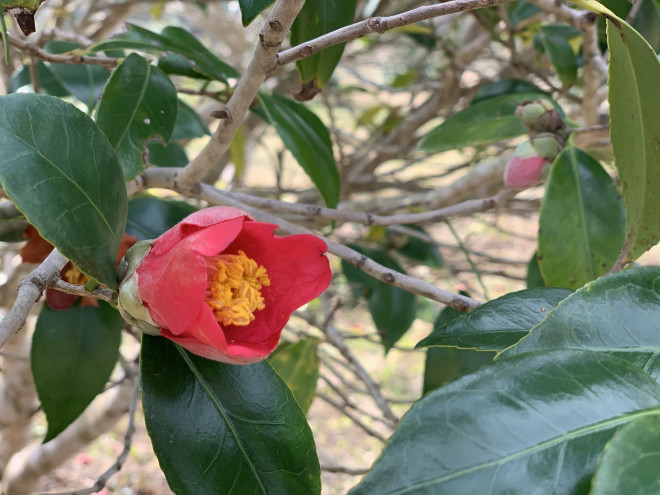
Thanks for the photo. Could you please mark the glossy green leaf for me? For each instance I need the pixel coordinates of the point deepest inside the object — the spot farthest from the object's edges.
(444, 364)
(224, 429)
(499, 323)
(485, 122)
(62, 173)
(298, 365)
(139, 103)
(581, 223)
(317, 18)
(537, 422)
(630, 460)
(250, 9)
(189, 124)
(149, 217)
(561, 56)
(634, 71)
(534, 279)
(73, 353)
(308, 140)
(618, 313)
(172, 40)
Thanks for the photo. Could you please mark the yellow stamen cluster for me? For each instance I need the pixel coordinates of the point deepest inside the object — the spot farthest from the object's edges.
(75, 276)
(234, 288)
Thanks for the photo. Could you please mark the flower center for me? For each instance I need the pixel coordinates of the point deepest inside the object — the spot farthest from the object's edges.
(233, 290)
(75, 276)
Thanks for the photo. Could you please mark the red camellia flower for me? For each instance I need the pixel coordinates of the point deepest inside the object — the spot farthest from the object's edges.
(223, 286)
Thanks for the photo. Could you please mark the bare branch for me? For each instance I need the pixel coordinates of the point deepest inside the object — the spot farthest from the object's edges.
(60, 59)
(99, 292)
(316, 211)
(380, 25)
(29, 292)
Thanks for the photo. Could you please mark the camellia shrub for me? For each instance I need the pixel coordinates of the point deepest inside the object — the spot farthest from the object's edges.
(235, 210)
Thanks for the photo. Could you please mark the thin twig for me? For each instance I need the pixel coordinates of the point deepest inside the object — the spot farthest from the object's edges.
(345, 470)
(60, 59)
(465, 251)
(99, 292)
(351, 416)
(121, 459)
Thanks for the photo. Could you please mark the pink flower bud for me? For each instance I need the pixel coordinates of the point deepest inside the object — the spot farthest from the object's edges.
(521, 173)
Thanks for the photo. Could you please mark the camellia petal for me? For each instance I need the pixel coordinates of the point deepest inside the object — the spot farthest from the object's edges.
(193, 223)
(172, 285)
(190, 279)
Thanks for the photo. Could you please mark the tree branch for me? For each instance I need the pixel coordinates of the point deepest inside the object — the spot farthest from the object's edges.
(60, 59)
(263, 62)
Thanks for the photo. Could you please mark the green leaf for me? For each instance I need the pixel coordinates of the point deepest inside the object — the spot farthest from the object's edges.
(537, 422)
(189, 124)
(223, 429)
(298, 365)
(561, 55)
(149, 217)
(171, 155)
(417, 249)
(505, 87)
(139, 103)
(499, 323)
(308, 140)
(49, 83)
(319, 17)
(392, 309)
(444, 364)
(534, 279)
(522, 10)
(581, 224)
(618, 313)
(175, 40)
(250, 9)
(634, 72)
(485, 122)
(630, 460)
(62, 173)
(73, 353)
(83, 81)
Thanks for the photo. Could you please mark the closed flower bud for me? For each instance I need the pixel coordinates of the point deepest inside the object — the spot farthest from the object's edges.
(540, 116)
(546, 145)
(525, 168)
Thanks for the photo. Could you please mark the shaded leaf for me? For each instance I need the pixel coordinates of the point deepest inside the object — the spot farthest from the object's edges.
(534, 279)
(618, 313)
(499, 323)
(505, 87)
(317, 18)
(139, 103)
(149, 217)
(581, 223)
(215, 427)
(62, 173)
(308, 140)
(297, 363)
(630, 460)
(561, 55)
(539, 420)
(485, 122)
(171, 155)
(188, 124)
(392, 309)
(49, 83)
(73, 353)
(250, 9)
